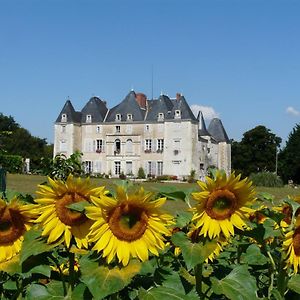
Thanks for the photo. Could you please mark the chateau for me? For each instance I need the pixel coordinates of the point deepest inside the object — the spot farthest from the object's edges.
(160, 135)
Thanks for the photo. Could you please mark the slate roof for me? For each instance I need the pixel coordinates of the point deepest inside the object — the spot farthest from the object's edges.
(217, 131)
(182, 105)
(168, 107)
(128, 106)
(72, 115)
(202, 127)
(161, 105)
(96, 108)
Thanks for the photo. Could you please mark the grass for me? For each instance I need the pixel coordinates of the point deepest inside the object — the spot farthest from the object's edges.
(27, 184)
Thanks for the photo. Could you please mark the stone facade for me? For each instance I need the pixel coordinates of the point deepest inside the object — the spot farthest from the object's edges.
(162, 136)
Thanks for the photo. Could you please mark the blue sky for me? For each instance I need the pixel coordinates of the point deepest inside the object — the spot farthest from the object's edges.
(239, 60)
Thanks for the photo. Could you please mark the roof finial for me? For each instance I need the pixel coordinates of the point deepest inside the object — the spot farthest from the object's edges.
(132, 88)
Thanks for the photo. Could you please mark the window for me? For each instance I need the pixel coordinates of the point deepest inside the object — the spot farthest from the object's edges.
(63, 128)
(160, 145)
(148, 145)
(150, 168)
(88, 119)
(159, 168)
(128, 128)
(118, 129)
(88, 145)
(117, 147)
(117, 167)
(118, 117)
(88, 166)
(99, 146)
(147, 128)
(129, 117)
(63, 146)
(129, 146)
(64, 117)
(177, 114)
(176, 146)
(98, 129)
(160, 117)
(128, 167)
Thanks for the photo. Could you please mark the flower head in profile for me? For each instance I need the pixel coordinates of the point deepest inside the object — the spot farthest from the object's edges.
(223, 204)
(61, 223)
(287, 210)
(129, 225)
(220, 242)
(15, 219)
(291, 245)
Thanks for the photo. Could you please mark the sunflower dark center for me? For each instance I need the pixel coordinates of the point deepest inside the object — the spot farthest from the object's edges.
(221, 204)
(66, 215)
(296, 242)
(11, 225)
(128, 222)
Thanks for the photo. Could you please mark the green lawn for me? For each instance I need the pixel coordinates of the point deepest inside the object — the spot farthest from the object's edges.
(27, 184)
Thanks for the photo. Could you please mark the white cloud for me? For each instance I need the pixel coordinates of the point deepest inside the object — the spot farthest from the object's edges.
(292, 111)
(208, 111)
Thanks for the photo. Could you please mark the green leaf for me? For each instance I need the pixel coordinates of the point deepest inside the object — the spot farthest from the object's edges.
(193, 253)
(178, 195)
(103, 281)
(161, 292)
(10, 285)
(294, 283)
(237, 285)
(79, 206)
(277, 295)
(253, 256)
(39, 269)
(33, 244)
(53, 291)
(183, 219)
(295, 205)
(265, 196)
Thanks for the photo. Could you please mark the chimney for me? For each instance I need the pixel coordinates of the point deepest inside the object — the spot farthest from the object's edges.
(141, 99)
(178, 96)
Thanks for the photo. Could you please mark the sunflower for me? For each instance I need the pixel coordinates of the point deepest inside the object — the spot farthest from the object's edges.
(128, 225)
(15, 219)
(221, 242)
(287, 210)
(59, 222)
(222, 204)
(291, 245)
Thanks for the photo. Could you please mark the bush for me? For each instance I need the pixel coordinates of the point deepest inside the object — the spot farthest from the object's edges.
(266, 179)
(122, 176)
(12, 163)
(141, 173)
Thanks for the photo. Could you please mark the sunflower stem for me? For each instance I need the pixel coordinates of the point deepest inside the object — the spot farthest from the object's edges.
(272, 271)
(71, 270)
(282, 279)
(198, 276)
(53, 258)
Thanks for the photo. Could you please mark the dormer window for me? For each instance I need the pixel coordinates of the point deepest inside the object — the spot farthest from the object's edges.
(64, 117)
(160, 117)
(177, 114)
(88, 119)
(118, 117)
(129, 117)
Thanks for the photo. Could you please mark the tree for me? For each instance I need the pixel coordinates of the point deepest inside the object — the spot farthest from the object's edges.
(289, 157)
(256, 152)
(15, 140)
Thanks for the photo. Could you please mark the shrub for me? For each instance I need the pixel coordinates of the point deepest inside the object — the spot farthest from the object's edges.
(122, 176)
(141, 173)
(266, 179)
(12, 163)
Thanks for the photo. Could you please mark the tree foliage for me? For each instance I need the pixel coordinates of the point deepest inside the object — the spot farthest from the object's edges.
(16, 140)
(256, 152)
(289, 157)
